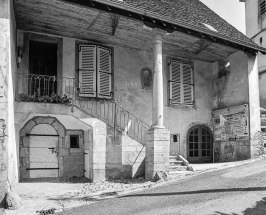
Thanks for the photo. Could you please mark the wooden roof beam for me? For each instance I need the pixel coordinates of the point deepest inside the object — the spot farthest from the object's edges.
(115, 24)
(203, 45)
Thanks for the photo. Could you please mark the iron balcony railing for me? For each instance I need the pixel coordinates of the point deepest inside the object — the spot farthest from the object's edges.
(52, 89)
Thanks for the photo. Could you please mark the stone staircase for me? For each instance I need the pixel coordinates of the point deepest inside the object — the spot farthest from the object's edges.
(177, 165)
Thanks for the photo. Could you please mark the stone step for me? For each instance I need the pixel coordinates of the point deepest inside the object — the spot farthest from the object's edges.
(176, 162)
(172, 157)
(175, 172)
(177, 168)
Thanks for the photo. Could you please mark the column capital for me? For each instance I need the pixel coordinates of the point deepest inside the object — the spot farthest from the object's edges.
(158, 34)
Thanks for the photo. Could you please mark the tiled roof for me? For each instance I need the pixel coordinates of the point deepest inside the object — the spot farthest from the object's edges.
(187, 13)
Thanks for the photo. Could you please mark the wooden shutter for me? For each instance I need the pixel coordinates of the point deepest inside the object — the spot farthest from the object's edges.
(104, 73)
(175, 82)
(187, 84)
(87, 71)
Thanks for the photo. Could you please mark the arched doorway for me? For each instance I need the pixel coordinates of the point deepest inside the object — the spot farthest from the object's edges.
(43, 150)
(199, 144)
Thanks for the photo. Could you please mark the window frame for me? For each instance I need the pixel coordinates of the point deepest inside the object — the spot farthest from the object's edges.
(181, 104)
(82, 43)
(78, 141)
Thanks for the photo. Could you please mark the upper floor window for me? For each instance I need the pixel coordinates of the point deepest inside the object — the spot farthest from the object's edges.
(181, 83)
(262, 7)
(95, 71)
(146, 78)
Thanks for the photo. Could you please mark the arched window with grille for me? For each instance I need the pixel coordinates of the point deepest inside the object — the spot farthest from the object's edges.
(199, 144)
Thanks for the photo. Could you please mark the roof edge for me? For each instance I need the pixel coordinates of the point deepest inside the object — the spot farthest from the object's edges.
(167, 24)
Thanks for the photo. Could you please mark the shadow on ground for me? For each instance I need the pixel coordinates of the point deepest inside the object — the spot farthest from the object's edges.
(200, 191)
(258, 209)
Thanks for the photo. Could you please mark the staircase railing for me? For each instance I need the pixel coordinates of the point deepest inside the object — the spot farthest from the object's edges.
(52, 89)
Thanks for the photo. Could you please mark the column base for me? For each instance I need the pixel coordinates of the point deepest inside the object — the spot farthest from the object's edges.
(157, 152)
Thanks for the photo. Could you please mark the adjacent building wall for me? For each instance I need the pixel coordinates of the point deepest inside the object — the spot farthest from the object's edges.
(256, 30)
(8, 173)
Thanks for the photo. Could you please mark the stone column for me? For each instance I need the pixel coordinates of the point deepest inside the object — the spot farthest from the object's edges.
(254, 103)
(158, 138)
(157, 100)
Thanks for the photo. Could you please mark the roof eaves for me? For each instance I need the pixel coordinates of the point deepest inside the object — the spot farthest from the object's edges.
(121, 4)
(130, 9)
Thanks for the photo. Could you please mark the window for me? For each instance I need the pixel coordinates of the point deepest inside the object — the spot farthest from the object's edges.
(42, 68)
(95, 75)
(181, 83)
(74, 141)
(146, 78)
(262, 6)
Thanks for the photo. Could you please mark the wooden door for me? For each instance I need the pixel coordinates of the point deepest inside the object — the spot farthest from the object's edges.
(199, 145)
(43, 152)
(87, 163)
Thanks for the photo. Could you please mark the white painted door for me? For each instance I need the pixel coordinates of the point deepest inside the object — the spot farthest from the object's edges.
(43, 152)
(87, 163)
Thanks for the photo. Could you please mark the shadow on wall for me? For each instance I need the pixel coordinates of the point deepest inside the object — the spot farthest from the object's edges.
(259, 208)
(125, 157)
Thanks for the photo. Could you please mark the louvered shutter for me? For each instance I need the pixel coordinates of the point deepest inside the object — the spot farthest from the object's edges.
(104, 74)
(175, 82)
(187, 84)
(87, 71)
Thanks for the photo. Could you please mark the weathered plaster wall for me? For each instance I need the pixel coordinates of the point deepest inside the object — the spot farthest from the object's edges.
(230, 88)
(7, 69)
(129, 94)
(69, 57)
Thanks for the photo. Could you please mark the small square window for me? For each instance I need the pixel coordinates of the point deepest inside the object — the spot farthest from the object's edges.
(175, 138)
(74, 141)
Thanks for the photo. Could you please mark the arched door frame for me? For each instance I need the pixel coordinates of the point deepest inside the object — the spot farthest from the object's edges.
(200, 160)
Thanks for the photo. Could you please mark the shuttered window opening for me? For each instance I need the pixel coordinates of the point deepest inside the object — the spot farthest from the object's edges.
(95, 74)
(181, 83)
(262, 7)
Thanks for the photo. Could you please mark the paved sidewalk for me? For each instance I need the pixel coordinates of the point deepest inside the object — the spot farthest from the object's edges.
(63, 195)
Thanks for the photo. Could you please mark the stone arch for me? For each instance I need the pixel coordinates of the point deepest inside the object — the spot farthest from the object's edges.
(24, 139)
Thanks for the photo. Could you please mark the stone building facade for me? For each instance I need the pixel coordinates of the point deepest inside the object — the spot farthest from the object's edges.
(255, 30)
(111, 89)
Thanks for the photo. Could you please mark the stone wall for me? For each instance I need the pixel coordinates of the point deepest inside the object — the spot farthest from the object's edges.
(125, 157)
(8, 165)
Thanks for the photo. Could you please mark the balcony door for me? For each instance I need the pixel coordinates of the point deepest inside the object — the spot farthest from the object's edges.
(199, 145)
(42, 77)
